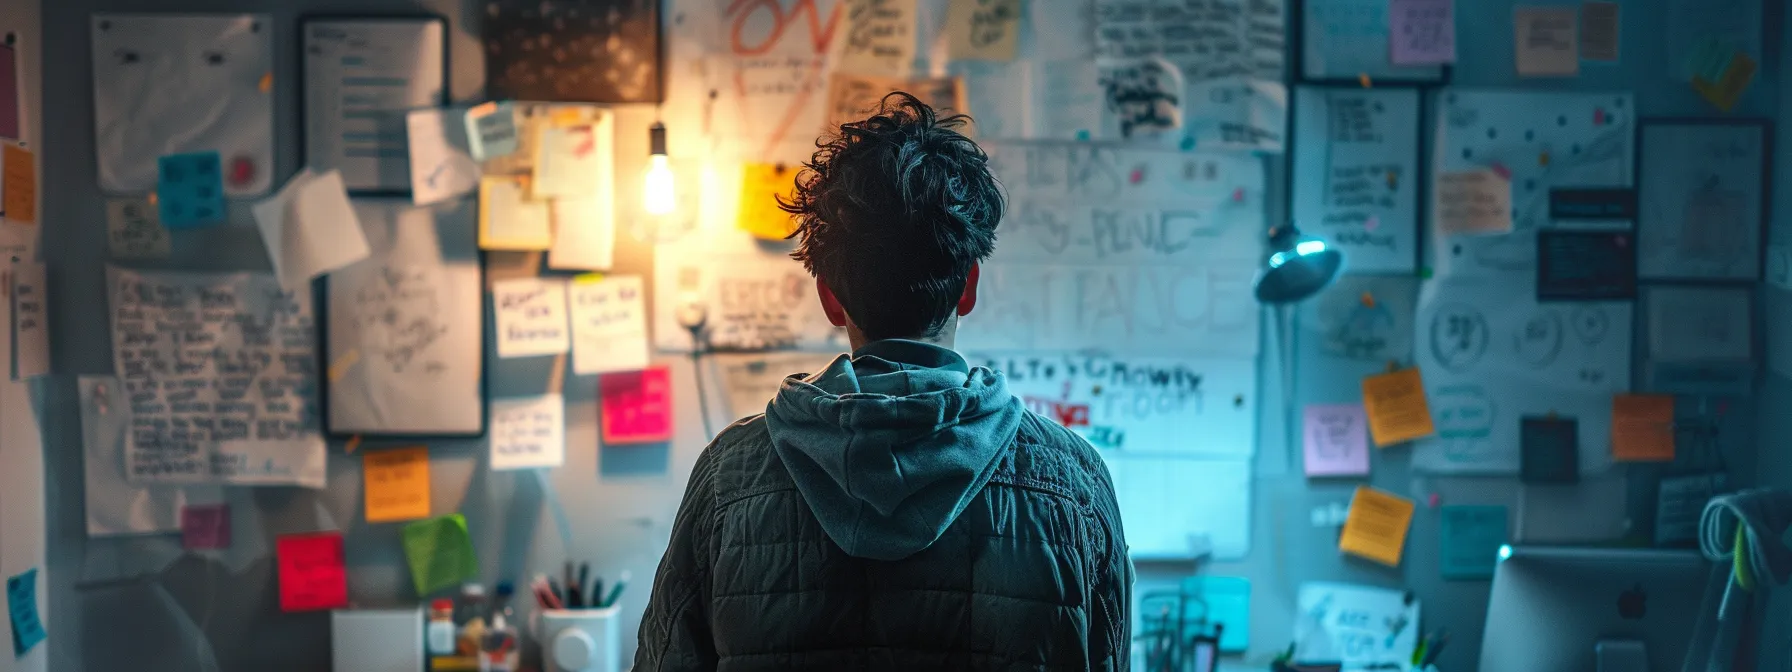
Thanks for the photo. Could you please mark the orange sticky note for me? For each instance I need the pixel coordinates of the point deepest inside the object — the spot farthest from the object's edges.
(760, 186)
(313, 573)
(1376, 526)
(18, 177)
(1397, 409)
(1643, 428)
(397, 484)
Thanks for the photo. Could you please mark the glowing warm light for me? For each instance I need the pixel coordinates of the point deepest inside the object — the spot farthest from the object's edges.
(659, 195)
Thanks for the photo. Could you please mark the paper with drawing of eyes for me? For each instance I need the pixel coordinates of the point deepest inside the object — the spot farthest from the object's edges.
(172, 84)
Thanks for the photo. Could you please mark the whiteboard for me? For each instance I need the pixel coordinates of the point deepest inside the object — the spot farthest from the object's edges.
(1183, 507)
(1357, 175)
(360, 77)
(405, 329)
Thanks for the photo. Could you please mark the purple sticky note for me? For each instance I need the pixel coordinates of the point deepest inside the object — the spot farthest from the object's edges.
(1336, 440)
(1422, 32)
(205, 527)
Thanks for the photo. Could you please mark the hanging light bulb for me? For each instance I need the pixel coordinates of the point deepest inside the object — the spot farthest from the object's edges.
(659, 195)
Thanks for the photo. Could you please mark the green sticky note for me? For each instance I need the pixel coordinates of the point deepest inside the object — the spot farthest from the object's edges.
(1472, 536)
(440, 552)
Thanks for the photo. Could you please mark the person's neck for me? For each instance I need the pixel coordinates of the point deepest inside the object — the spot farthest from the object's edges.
(946, 339)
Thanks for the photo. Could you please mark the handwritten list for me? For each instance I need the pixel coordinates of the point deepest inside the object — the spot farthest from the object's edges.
(1207, 39)
(1376, 526)
(609, 324)
(531, 317)
(222, 376)
(1547, 41)
(854, 97)
(397, 483)
(876, 37)
(528, 432)
(30, 326)
(1472, 202)
(1337, 440)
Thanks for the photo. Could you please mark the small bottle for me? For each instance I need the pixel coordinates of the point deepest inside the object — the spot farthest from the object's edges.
(441, 627)
(472, 618)
(498, 650)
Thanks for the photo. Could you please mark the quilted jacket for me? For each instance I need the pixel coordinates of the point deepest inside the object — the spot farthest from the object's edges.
(899, 510)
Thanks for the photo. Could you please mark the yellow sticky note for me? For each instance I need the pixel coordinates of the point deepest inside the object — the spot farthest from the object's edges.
(18, 177)
(1643, 428)
(760, 186)
(1376, 526)
(509, 219)
(1397, 408)
(397, 483)
(1728, 88)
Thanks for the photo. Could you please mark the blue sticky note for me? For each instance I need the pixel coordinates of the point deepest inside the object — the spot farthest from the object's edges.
(1472, 536)
(1221, 600)
(21, 607)
(190, 190)
(491, 130)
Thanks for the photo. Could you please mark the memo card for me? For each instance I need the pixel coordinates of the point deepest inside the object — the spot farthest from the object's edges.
(1643, 428)
(313, 571)
(1397, 408)
(1471, 537)
(205, 526)
(190, 190)
(1585, 265)
(1549, 449)
(636, 406)
(397, 483)
(181, 84)
(21, 609)
(1376, 526)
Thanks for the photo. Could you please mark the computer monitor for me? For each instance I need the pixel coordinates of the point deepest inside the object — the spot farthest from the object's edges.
(1552, 606)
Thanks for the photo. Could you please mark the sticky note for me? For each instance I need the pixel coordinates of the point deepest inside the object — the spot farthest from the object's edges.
(528, 432)
(609, 324)
(1643, 428)
(134, 230)
(1549, 450)
(440, 553)
(313, 573)
(205, 526)
(1422, 32)
(21, 609)
(509, 219)
(1397, 408)
(190, 190)
(1336, 440)
(1474, 202)
(637, 406)
(1599, 31)
(491, 130)
(1728, 87)
(397, 484)
(571, 160)
(984, 30)
(18, 181)
(309, 228)
(1547, 41)
(1471, 537)
(761, 184)
(1376, 527)
(530, 314)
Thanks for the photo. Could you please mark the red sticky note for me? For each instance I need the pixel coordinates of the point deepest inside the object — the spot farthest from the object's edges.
(637, 406)
(313, 575)
(205, 526)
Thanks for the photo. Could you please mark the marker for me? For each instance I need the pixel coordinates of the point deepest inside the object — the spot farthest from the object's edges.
(616, 591)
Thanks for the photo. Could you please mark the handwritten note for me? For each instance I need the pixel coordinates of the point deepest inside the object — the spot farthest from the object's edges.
(609, 324)
(584, 232)
(530, 314)
(509, 219)
(221, 370)
(313, 572)
(761, 185)
(1206, 40)
(1144, 96)
(309, 228)
(1376, 527)
(190, 190)
(1422, 32)
(528, 432)
(134, 230)
(984, 30)
(636, 406)
(1474, 202)
(21, 610)
(442, 163)
(1643, 428)
(1471, 537)
(1547, 41)
(205, 526)
(1362, 627)
(18, 183)
(572, 160)
(397, 483)
(30, 323)
(491, 130)
(1599, 31)
(1397, 408)
(440, 553)
(1337, 440)
(875, 37)
(854, 97)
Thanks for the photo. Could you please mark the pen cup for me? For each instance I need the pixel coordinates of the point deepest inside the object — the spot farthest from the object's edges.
(579, 640)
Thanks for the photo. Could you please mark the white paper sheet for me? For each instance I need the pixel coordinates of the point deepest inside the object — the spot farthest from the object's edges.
(1547, 41)
(134, 230)
(509, 219)
(1699, 201)
(1541, 141)
(745, 299)
(1356, 184)
(584, 232)
(442, 166)
(174, 84)
(1168, 518)
(875, 37)
(406, 325)
(1238, 115)
(770, 69)
(575, 160)
(1491, 354)
(528, 432)
(1364, 627)
(309, 228)
(531, 317)
(1210, 40)
(1342, 324)
(1700, 324)
(221, 370)
(361, 75)
(609, 324)
(30, 320)
(114, 505)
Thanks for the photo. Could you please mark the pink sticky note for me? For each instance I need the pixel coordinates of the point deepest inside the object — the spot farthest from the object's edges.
(313, 573)
(205, 526)
(1422, 32)
(637, 406)
(1336, 440)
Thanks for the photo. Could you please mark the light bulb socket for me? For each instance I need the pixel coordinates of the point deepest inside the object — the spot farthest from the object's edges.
(656, 139)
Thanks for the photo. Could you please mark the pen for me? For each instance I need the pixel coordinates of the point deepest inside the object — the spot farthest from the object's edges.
(585, 596)
(616, 591)
(1436, 648)
(572, 588)
(554, 586)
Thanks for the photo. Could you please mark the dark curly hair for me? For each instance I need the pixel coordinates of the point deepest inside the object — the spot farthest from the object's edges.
(892, 213)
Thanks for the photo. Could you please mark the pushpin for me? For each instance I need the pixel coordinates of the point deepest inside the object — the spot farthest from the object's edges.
(1501, 170)
(1238, 400)
(1095, 390)
(1432, 500)
(1238, 195)
(152, 198)
(1598, 116)
(1425, 273)
(1393, 180)
(242, 171)
(1372, 223)
(1363, 78)
(1368, 300)
(267, 82)
(1393, 366)
(353, 443)
(1543, 159)
(1137, 176)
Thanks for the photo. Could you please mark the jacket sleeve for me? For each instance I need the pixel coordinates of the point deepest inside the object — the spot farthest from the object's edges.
(675, 632)
(1111, 647)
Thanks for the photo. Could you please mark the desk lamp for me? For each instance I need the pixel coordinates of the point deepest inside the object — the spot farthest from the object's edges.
(1298, 267)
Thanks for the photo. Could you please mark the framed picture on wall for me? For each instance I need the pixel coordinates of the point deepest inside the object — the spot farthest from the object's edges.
(1702, 198)
(1700, 339)
(1346, 41)
(359, 76)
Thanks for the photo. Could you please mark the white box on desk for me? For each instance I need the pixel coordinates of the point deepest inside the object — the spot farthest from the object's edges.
(377, 640)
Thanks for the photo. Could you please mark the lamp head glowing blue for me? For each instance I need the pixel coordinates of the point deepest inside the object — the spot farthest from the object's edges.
(1298, 267)
(1505, 551)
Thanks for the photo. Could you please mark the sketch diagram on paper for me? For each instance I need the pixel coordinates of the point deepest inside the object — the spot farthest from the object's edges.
(1701, 198)
(1365, 318)
(397, 312)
